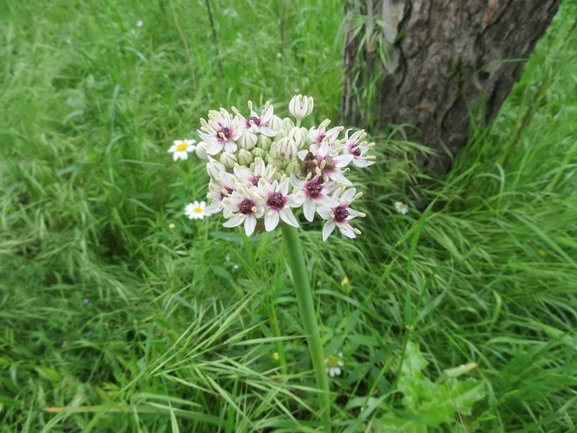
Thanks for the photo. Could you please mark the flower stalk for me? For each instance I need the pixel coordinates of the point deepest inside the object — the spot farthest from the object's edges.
(307, 310)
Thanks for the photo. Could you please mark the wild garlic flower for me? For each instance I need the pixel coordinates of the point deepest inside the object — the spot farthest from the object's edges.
(334, 364)
(263, 168)
(401, 207)
(181, 148)
(340, 215)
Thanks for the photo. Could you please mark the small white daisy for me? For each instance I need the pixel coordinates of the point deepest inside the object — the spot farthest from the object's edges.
(181, 148)
(195, 210)
(401, 207)
(333, 364)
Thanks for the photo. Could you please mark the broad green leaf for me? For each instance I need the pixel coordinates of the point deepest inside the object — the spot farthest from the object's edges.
(391, 424)
(436, 402)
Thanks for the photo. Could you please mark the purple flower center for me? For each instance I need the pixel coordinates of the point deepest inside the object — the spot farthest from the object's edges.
(314, 189)
(357, 151)
(246, 206)
(223, 195)
(341, 213)
(255, 180)
(225, 133)
(276, 201)
(255, 120)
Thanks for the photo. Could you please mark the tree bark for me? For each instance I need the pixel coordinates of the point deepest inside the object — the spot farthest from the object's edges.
(436, 65)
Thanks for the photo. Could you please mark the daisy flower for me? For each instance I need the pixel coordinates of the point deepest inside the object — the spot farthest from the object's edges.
(401, 207)
(334, 364)
(340, 215)
(181, 148)
(195, 210)
(243, 206)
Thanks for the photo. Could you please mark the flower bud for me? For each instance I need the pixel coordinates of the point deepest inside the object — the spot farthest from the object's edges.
(293, 167)
(301, 106)
(264, 142)
(201, 150)
(278, 163)
(288, 123)
(228, 159)
(247, 140)
(308, 140)
(286, 148)
(297, 135)
(275, 123)
(245, 157)
(257, 151)
(280, 134)
(213, 167)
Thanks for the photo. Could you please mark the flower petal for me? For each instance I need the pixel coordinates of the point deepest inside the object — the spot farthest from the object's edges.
(271, 221)
(249, 225)
(328, 229)
(288, 217)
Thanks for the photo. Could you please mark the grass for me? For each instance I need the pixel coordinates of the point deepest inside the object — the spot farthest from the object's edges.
(133, 326)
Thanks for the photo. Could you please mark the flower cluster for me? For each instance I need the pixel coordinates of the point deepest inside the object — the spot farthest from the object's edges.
(262, 168)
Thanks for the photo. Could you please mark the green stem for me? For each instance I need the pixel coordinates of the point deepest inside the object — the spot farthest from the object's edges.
(307, 309)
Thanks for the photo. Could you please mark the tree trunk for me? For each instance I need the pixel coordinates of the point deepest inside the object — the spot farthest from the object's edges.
(436, 65)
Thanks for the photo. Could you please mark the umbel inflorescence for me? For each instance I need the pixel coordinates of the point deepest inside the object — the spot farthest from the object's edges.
(262, 167)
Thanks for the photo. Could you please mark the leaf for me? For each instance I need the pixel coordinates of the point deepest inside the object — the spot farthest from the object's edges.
(436, 402)
(390, 424)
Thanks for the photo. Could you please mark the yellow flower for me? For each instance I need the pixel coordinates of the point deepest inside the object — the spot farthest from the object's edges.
(275, 357)
(543, 253)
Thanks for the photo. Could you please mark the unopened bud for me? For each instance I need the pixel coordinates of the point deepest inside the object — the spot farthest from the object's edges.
(293, 167)
(297, 135)
(275, 123)
(213, 167)
(280, 134)
(201, 150)
(245, 157)
(301, 106)
(258, 152)
(247, 140)
(264, 142)
(228, 159)
(288, 123)
(286, 148)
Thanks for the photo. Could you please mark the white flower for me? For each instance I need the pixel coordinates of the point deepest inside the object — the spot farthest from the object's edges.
(181, 148)
(331, 165)
(320, 135)
(221, 131)
(243, 206)
(340, 215)
(195, 210)
(301, 106)
(278, 203)
(223, 186)
(358, 150)
(312, 194)
(333, 364)
(401, 207)
(258, 124)
(139, 23)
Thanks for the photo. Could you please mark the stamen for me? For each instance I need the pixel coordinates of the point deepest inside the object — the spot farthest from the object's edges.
(362, 214)
(357, 231)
